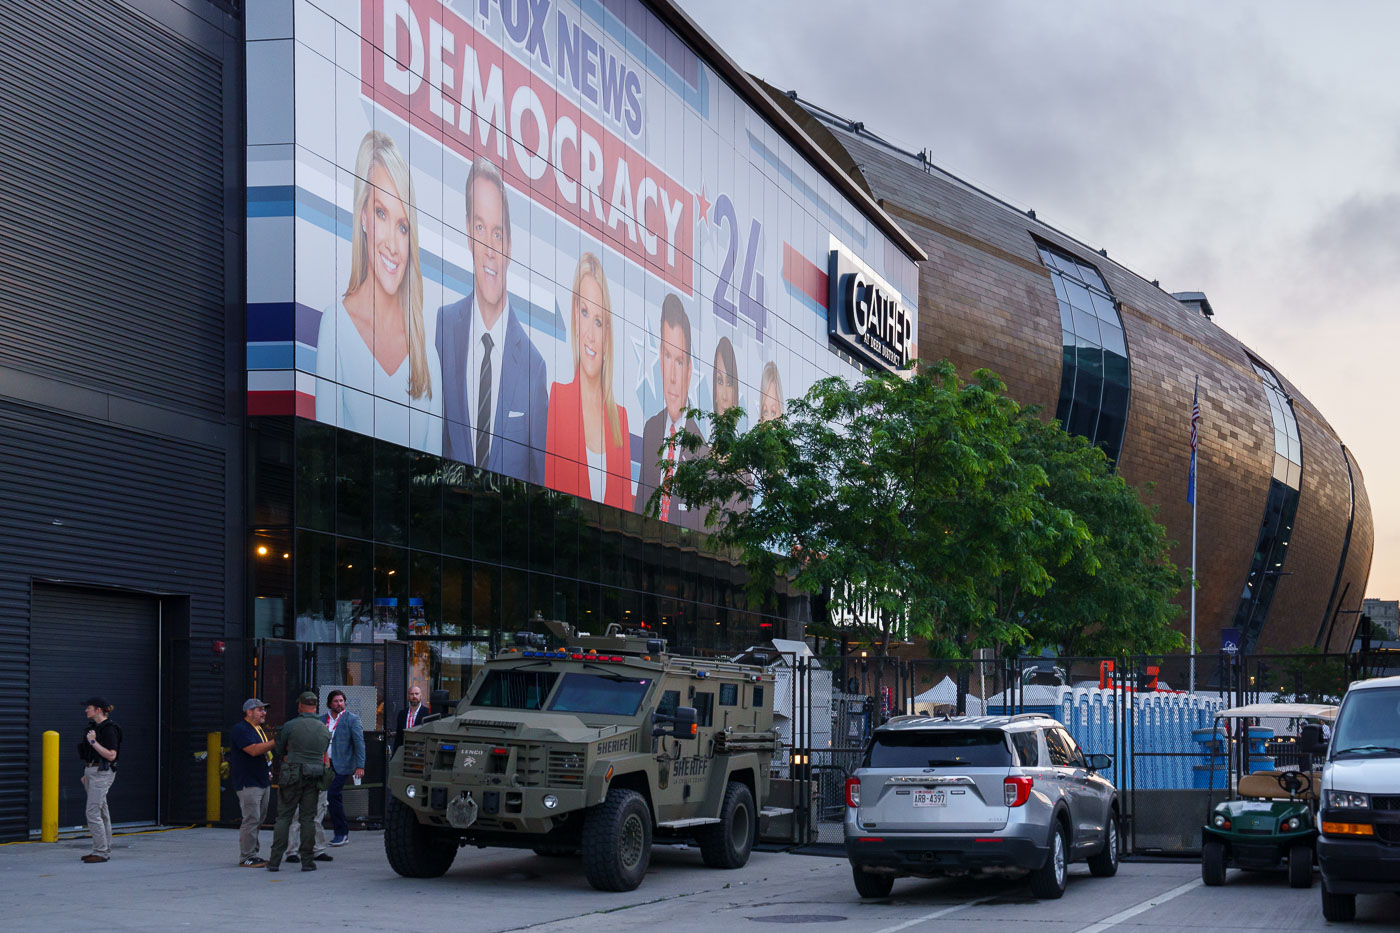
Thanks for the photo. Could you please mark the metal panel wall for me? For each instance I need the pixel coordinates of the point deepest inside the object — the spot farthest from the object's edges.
(120, 337)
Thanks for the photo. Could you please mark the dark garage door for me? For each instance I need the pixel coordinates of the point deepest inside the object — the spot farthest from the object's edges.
(88, 642)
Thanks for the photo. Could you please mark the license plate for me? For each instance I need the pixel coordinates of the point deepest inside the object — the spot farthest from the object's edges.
(931, 798)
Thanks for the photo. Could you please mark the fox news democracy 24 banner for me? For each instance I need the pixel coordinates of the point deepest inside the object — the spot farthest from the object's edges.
(658, 246)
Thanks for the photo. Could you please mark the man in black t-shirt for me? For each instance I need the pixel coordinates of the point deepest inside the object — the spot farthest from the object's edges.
(250, 771)
(99, 750)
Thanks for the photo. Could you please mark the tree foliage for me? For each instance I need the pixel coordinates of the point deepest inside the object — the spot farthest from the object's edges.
(936, 509)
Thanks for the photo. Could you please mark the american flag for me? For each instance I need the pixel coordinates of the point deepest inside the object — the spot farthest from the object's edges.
(1195, 420)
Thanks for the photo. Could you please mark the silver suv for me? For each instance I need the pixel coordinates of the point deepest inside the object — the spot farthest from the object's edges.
(978, 795)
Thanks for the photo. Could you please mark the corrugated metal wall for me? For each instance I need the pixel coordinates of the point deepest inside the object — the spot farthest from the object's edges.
(120, 420)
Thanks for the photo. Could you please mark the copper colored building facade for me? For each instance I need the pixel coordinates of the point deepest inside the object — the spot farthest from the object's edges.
(1285, 533)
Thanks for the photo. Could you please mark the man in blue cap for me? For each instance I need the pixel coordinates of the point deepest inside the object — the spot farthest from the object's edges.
(250, 772)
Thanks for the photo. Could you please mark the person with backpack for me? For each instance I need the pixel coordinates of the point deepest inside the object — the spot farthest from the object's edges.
(99, 750)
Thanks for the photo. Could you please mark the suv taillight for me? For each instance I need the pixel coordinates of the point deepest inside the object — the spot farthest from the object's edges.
(852, 792)
(1017, 790)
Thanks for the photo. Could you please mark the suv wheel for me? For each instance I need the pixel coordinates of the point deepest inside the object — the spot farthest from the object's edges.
(1104, 863)
(871, 885)
(1337, 907)
(616, 841)
(1048, 881)
(727, 844)
(415, 850)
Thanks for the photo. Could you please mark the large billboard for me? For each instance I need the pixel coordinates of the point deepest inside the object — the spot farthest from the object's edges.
(527, 235)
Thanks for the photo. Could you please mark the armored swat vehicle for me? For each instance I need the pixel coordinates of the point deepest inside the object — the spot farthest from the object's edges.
(594, 746)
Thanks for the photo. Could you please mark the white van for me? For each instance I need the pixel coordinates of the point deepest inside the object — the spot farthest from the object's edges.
(1358, 849)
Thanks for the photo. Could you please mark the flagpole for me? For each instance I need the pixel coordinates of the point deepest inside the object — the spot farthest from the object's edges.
(1195, 416)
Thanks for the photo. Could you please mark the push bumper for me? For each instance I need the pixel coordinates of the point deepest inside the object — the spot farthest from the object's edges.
(1358, 866)
(937, 854)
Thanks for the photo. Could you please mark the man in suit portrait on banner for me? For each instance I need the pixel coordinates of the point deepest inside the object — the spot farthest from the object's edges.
(494, 390)
(675, 389)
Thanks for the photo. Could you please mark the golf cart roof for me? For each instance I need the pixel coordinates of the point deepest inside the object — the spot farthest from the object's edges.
(1280, 711)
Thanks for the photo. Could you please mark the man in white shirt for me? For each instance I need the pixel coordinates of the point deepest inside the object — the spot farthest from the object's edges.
(675, 388)
(495, 397)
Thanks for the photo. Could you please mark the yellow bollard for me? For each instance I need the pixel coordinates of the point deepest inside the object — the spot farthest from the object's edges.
(48, 808)
(214, 752)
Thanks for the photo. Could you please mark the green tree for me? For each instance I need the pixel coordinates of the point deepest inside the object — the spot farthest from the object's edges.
(900, 497)
(1113, 594)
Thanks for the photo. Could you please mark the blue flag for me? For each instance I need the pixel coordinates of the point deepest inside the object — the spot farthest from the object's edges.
(1195, 420)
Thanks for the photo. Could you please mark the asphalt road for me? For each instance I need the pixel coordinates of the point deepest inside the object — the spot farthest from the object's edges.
(187, 879)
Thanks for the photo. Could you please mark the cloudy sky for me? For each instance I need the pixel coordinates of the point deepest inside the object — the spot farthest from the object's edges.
(1250, 150)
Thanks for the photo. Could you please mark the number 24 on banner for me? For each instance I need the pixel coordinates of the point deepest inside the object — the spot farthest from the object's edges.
(750, 303)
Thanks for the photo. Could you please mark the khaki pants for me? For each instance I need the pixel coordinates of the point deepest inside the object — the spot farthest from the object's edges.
(252, 802)
(294, 839)
(99, 818)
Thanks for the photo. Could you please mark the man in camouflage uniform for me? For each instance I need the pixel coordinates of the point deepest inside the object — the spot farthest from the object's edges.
(301, 744)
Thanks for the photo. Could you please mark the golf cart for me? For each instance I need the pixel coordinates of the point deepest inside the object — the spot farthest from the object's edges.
(1270, 817)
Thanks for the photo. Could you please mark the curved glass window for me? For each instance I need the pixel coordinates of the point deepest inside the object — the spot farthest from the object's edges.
(1271, 547)
(1095, 380)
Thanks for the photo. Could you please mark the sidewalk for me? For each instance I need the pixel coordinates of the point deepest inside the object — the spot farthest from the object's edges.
(188, 879)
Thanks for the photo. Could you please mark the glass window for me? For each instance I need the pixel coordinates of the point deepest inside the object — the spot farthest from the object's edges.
(604, 694)
(972, 748)
(271, 582)
(316, 475)
(1369, 724)
(354, 590)
(728, 694)
(1060, 755)
(315, 609)
(392, 486)
(458, 497)
(354, 484)
(271, 501)
(704, 704)
(425, 502)
(514, 689)
(1027, 745)
(1075, 755)
(670, 702)
(758, 697)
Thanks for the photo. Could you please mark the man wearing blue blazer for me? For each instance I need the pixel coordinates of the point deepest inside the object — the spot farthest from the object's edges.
(347, 758)
(495, 396)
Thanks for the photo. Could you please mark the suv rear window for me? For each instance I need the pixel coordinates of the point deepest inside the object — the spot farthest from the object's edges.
(972, 748)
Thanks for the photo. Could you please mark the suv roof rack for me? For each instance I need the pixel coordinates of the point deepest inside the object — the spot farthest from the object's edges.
(908, 719)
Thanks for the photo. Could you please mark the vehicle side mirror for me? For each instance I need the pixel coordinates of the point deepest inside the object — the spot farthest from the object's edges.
(1100, 762)
(1311, 741)
(684, 724)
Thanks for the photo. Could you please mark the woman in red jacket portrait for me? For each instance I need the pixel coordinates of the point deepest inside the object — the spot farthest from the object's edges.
(587, 447)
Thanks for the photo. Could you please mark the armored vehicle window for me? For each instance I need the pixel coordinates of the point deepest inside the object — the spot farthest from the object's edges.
(704, 704)
(515, 689)
(972, 748)
(758, 698)
(728, 694)
(670, 700)
(1027, 748)
(594, 693)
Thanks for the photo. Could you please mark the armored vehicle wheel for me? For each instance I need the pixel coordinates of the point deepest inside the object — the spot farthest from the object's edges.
(869, 885)
(617, 841)
(415, 850)
(1300, 860)
(1104, 863)
(1338, 907)
(1213, 863)
(1048, 881)
(727, 844)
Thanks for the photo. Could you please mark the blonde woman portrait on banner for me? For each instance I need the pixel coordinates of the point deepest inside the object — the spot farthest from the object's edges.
(372, 349)
(587, 447)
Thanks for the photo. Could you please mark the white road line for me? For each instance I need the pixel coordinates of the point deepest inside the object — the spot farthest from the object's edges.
(1122, 915)
(932, 916)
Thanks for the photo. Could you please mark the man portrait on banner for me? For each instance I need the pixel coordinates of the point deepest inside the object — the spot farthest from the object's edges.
(495, 397)
(675, 390)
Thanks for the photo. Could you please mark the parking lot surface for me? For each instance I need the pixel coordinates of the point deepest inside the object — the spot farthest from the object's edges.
(187, 879)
